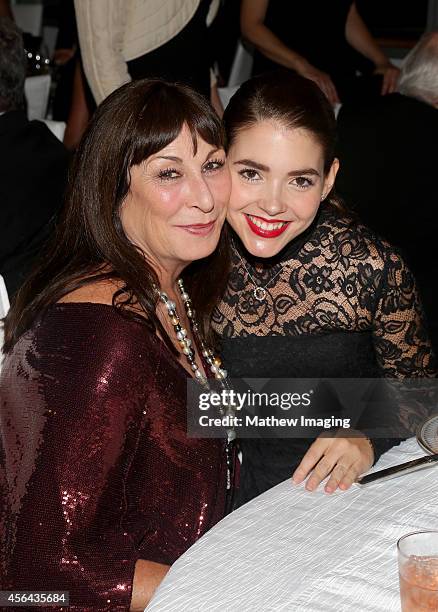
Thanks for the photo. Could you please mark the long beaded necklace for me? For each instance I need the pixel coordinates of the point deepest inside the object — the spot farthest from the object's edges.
(213, 361)
(185, 342)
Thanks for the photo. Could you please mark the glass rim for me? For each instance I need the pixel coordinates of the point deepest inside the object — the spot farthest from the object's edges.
(407, 535)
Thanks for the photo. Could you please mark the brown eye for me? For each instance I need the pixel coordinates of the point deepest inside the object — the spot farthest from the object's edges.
(249, 174)
(168, 174)
(213, 164)
(302, 182)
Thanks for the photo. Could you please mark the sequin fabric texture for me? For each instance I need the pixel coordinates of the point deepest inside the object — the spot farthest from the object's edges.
(96, 470)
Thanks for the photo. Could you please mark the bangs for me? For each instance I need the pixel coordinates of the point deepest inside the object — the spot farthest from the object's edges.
(164, 112)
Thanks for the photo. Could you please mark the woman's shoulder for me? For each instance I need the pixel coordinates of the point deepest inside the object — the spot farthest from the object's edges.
(90, 309)
(85, 333)
(80, 341)
(349, 238)
(98, 292)
(97, 323)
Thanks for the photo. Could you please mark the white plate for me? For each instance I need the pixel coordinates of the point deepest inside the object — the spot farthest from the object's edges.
(427, 435)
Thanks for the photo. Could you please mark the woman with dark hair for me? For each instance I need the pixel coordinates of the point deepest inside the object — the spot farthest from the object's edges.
(312, 292)
(101, 488)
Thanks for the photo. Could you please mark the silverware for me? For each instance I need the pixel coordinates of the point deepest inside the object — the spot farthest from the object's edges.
(399, 470)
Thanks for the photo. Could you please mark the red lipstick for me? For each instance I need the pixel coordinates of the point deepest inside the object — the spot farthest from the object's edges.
(267, 233)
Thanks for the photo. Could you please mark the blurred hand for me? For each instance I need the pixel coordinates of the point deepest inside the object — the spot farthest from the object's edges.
(62, 56)
(344, 459)
(390, 75)
(322, 79)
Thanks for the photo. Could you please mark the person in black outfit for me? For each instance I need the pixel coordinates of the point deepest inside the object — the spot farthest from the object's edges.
(312, 293)
(33, 166)
(124, 40)
(185, 58)
(318, 43)
(387, 150)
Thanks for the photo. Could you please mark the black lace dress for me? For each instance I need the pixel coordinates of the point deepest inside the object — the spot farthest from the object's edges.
(344, 305)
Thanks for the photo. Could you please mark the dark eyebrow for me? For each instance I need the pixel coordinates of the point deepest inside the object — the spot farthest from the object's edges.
(310, 171)
(215, 150)
(263, 168)
(253, 164)
(178, 160)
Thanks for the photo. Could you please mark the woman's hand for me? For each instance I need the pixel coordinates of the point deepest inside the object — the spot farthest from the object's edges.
(361, 39)
(147, 578)
(322, 79)
(62, 56)
(343, 458)
(390, 75)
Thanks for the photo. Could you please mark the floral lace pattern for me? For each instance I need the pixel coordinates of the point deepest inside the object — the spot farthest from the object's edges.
(341, 278)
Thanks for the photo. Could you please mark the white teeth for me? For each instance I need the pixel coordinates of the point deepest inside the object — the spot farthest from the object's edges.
(266, 226)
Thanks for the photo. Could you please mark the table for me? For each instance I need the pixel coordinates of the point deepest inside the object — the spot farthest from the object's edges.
(290, 550)
(37, 91)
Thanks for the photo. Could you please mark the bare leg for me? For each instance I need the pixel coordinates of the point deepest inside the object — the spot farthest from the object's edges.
(79, 114)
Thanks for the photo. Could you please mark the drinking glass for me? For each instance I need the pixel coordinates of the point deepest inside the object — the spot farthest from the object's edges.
(418, 571)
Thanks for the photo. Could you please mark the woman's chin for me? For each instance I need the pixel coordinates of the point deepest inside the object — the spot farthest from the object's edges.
(262, 247)
(195, 254)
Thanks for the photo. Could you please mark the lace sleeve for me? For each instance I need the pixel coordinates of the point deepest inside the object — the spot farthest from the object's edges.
(402, 346)
(401, 341)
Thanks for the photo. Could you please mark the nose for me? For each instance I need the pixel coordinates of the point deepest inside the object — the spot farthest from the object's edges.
(272, 200)
(200, 195)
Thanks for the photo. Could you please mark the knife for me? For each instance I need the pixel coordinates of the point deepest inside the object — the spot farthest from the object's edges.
(399, 470)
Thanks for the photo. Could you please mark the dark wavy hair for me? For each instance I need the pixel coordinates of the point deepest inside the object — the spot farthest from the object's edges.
(292, 101)
(134, 122)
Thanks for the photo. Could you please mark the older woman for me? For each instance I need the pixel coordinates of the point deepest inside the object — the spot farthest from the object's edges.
(312, 293)
(101, 488)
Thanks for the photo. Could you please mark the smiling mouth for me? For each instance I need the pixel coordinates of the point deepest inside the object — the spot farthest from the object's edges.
(267, 228)
(201, 229)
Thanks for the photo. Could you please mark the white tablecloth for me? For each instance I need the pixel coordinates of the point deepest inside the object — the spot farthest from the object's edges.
(37, 90)
(292, 550)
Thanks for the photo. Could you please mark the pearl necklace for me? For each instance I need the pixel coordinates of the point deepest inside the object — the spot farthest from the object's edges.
(185, 342)
(213, 361)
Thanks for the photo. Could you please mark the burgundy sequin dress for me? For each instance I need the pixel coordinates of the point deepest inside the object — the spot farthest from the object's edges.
(96, 470)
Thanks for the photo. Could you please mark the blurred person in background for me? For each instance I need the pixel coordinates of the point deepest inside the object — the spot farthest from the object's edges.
(73, 102)
(316, 43)
(388, 153)
(33, 167)
(224, 34)
(122, 40)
